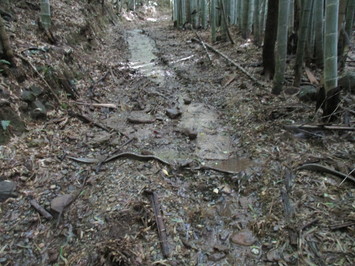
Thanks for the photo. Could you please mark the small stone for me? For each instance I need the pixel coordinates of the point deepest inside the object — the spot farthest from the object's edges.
(39, 110)
(4, 103)
(23, 106)
(36, 91)
(173, 113)
(221, 248)
(53, 187)
(244, 238)
(7, 190)
(140, 118)
(192, 134)
(187, 100)
(255, 251)
(27, 96)
(217, 256)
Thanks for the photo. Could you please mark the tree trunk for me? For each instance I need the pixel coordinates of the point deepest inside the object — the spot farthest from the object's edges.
(270, 38)
(345, 33)
(256, 28)
(245, 29)
(281, 54)
(318, 16)
(213, 19)
(302, 38)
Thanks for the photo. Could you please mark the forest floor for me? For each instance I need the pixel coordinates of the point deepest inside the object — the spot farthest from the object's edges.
(183, 161)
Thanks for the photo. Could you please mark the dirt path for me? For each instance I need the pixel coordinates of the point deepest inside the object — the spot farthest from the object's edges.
(176, 118)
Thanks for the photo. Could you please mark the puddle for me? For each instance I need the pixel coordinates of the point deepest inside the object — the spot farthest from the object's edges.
(212, 143)
(142, 49)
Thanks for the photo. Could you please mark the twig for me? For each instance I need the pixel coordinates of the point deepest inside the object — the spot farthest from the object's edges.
(91, 88)
(289, 209)
(231, 61)
(159, 221)
(348, 175)
(341, 225)
(87, 120)
(41, 77)
(320, 127)
(41, 210)
(107, 105)
(98, 167)
(324, 169)
(203, 45)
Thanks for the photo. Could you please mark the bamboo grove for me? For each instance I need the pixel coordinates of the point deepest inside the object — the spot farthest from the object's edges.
(317, 32)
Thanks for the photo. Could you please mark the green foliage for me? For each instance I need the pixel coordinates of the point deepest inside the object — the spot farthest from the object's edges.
(64, 106)
(5, 124)
(2, 61)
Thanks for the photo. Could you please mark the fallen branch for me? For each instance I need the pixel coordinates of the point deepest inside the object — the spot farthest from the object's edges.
(108, 105)
(320, 127)
(323, 169)
(144, 158)
(159, 222)
(41, 210)
(86, 119)
(98, 167)
(341, 225)
(231, 61)
(203, 45)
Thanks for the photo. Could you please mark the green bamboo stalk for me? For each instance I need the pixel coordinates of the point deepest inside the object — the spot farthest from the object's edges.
(45, 16)
(330, 45)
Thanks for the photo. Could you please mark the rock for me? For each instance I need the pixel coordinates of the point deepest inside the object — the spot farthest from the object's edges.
(59, 203)
(27, 96)
(191, 133)
(187, 100)
(4, 103)
(216, 256)
(39, 111)
(273, 255)
(136, 117)
(173, 113)
(7, 190)
(8, 114)
(308, 94)
(244, 238)
(23, 106)
(291, 90)
(36, 91)
(347, 81)
(100, 139)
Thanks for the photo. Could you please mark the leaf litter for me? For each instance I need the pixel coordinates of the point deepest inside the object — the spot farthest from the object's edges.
(267, 210)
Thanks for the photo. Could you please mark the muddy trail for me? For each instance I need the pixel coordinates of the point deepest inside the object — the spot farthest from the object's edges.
(183, 162)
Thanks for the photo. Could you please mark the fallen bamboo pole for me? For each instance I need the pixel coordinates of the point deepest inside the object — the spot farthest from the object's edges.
(230, 61)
